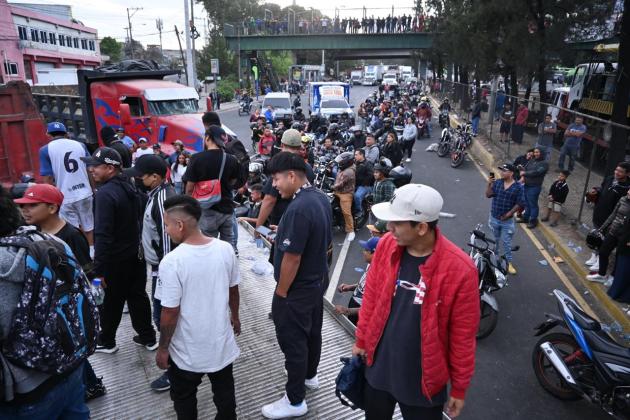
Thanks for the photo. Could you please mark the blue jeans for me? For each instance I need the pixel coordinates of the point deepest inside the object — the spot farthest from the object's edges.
(475, 125)
(179, 187)
(65, 401)
(359, 195)
(571, 151)
(503, 231)
(531, 199)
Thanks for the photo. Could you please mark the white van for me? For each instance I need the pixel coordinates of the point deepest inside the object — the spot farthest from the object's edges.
(559, 99)
(281, 103)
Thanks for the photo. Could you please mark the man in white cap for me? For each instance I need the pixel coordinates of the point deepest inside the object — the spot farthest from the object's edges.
(419, 314)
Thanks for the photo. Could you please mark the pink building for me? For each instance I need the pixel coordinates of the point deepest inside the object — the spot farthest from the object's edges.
(44, 43)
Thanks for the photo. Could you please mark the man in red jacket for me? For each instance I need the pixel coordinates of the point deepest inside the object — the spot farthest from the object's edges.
(420, 313)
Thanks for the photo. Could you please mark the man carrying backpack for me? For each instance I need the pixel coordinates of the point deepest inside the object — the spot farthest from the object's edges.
(38, 391)
(117, 255)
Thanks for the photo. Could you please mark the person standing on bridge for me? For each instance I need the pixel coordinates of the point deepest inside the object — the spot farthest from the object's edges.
(301, 271)
(419, 313)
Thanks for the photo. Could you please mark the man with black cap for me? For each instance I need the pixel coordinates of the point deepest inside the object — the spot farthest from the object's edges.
(118, 260)
(214, 164)
(110, 139)
(508, 196)
(151, 171)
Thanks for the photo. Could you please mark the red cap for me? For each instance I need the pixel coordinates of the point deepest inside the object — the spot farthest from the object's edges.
(41, 193)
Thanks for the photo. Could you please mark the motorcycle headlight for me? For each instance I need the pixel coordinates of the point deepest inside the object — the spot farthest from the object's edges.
(501, 279)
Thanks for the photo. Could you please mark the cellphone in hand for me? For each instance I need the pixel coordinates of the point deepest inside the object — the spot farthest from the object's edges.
(491, 174)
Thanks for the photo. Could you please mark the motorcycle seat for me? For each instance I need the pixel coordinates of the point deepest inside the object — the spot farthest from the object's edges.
(584, 320)
(602, 342)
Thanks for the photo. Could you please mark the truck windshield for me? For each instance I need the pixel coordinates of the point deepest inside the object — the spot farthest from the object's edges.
(277, 102)
(334, 103)
(174, 107)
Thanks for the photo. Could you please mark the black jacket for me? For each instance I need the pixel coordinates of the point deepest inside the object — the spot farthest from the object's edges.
(123, 151)
(236, 148)
(118, 210)
(535, 171)
(358, 142)
(393, 152)
(364, 174)
(609, 195)
(559, 191)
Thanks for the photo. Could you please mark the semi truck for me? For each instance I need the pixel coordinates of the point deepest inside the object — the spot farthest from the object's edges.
(406, 73)
(372, 75)
(140, 102)
(356, 77)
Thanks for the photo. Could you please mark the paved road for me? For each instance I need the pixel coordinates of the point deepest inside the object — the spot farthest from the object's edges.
(504, 385)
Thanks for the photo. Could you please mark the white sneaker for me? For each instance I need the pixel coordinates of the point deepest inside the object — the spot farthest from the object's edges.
(609, 281)
(594, 268)
(282, 409)
(596, 278)
(350, 237)
(408, 160)
(591, 260)
(312, 383)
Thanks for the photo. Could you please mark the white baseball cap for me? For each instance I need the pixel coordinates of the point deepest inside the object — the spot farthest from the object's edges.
(411, 202)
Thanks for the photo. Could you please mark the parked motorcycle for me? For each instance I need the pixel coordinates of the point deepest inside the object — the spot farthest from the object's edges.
(444, 146)
(463, 140)
(493, 272)
(443, 119)
(583, 363)
(244, 108)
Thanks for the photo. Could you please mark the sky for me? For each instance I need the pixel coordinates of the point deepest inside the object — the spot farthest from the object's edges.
(109, 17)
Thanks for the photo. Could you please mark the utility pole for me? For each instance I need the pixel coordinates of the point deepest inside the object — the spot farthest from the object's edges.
(160, 25)
(191, 24)
(129, 16)
(181, 51)
(190, 71)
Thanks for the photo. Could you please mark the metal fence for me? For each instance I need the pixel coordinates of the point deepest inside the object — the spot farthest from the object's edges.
(511, 142)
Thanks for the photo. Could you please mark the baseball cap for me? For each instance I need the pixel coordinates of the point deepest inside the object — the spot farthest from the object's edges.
(147, 164)
(370, 244)
(103, 156)
(108, 133)
(380, 226)
(157, 146)
(178, 142)
(411, 202)
(507, 167)
(56, 127)
(217, 134)
(142, 140)
(41, 193)
(292, 138)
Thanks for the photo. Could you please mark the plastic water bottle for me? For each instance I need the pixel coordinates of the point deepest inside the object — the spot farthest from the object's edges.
(97, 291)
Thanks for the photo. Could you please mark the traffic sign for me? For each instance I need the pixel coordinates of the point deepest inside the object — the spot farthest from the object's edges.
(214, 65)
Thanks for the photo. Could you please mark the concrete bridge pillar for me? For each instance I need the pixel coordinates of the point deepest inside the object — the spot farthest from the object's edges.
(422, 69)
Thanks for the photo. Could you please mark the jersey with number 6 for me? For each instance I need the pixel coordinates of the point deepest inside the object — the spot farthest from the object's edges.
(61, 159)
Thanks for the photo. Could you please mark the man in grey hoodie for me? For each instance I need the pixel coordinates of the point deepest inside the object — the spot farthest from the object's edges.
(27, 393)
(533, 176)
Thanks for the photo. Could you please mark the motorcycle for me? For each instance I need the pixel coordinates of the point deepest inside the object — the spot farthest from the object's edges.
(463, 140)
(423, 130)
(444, 146)
(360, 219)
(244, 108)
(585, 363)
(443, 119)
(493, 272)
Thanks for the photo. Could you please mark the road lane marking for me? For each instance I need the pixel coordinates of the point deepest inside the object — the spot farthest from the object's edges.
(341, 261)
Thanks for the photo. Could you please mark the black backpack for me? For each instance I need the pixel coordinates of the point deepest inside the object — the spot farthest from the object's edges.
(56, 321)
(235, 148)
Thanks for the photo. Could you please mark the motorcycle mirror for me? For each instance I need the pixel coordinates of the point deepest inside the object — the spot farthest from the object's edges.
(479, 234)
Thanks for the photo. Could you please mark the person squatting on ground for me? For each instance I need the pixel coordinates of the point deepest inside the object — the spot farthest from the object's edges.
(558, 193)
(419, 314)
(301, 271)
(199, 294)
(118, 259)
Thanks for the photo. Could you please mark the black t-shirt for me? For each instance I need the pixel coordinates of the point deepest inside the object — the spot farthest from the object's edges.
(78, 243)
(205, 166)
(305, 229)
(397, 366)
(281, 203)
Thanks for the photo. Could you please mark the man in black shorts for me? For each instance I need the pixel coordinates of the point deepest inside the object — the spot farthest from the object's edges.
(506, 122)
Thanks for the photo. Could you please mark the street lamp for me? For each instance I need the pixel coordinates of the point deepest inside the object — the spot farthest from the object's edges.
(289, 11)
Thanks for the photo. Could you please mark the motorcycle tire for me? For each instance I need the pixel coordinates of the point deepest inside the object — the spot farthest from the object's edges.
(442, 149)
(487, 321)
(547, 375)
(239, 112)
(361, 220)
(457, 158)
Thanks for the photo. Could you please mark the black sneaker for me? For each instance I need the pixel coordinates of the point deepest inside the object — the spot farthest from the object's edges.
(151, 345)
(161, 384)
(96, 390)
(101, 348)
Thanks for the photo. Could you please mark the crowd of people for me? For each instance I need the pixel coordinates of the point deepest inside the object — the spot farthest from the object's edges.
(322, 24)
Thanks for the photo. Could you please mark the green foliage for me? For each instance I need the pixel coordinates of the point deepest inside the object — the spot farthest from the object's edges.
(216, 48)
(109, 46)
(227, 87)
(280, 61)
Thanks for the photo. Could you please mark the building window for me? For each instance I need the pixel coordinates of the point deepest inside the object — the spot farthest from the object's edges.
(34, 35)
(84, 44)
(92, 46)
(10, 69)
(69, 41)
(53, 38)
(75, 42)
(43, 36)
(62, 40)
(22, 32)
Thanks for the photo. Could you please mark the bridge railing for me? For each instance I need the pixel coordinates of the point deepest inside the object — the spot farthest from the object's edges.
(352, 26)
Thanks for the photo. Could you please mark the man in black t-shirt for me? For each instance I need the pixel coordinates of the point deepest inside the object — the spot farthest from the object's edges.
(214, 164)
(301, 270)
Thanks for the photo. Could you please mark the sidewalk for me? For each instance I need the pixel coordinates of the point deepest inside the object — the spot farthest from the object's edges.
(258, 372)
(567, 239)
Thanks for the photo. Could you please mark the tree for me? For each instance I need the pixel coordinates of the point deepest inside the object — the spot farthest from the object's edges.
(109, 46)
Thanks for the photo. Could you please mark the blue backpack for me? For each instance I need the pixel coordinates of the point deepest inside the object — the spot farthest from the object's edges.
(350, 382)
(56, 321)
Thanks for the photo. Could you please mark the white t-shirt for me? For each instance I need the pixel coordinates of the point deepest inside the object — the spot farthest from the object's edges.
(197, 278)
(61, 159)
(141, 152)
(179, 173)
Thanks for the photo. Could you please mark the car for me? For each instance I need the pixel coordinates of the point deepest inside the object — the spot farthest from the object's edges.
(335, 105)
(281, 103)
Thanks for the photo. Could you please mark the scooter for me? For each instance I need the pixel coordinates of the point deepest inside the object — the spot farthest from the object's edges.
(244, 108)
(584, 362)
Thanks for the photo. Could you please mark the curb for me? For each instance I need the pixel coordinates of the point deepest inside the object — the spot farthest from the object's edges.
(479, 152)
